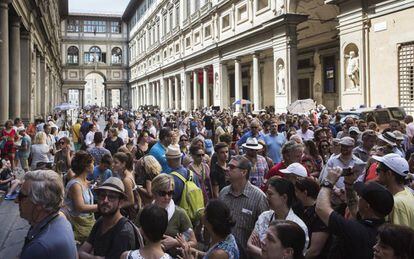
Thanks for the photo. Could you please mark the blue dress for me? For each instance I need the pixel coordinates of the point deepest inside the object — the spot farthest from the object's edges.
(229, 245)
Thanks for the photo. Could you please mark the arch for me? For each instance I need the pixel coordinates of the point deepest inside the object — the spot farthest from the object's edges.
(95, 54)
(94, 93)
(73, 55)
(116, 55)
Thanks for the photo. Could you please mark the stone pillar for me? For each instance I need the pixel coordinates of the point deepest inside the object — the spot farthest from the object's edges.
(26, 77)
(148, 94)
(51, 91)
(185, 85)
(159, 99)
(15, 74)
(206, 101)
(38, 83)
(196, 94)
(238, 94)
(256, 75)
(4, 61)
(170, 94)
(220, 90)
(154, 99)
(42, 87)
(162, 95)
(81, 98)
(176, 93)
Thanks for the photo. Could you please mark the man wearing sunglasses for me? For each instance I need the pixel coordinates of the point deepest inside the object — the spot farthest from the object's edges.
(112, 234)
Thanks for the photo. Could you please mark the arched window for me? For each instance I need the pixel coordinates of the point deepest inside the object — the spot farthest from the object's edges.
(116, 55)
(95, 54)
(73, 55)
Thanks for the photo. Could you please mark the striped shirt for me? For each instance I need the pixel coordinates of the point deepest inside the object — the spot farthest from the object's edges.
(246, 209)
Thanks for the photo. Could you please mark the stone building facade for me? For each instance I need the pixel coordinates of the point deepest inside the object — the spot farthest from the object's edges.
(94, 50)
(30, 66)
(187, 54)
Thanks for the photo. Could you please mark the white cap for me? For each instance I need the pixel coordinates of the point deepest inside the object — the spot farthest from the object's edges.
(395, 162)
(354, 129)
(296, 169)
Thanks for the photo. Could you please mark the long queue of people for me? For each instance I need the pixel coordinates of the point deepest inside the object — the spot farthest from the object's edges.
(211, 184)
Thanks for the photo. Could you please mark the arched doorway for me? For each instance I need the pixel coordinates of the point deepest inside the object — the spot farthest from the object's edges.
(94, 90)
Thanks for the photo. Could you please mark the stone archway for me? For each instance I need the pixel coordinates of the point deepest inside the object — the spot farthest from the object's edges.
(94, 93)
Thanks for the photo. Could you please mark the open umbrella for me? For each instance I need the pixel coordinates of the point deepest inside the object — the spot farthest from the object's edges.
(301, 106)
(242, 102)
(65, 106)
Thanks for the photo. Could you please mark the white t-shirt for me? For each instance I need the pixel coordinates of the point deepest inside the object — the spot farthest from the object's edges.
(123, 134)
(308, 135)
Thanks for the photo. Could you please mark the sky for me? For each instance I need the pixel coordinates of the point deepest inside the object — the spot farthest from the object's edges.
(98, 6)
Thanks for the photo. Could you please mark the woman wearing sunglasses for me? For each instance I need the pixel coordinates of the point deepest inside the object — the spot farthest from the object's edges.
(63, 157)
(179, 223)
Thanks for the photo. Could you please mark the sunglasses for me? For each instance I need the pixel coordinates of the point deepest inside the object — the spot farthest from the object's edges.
(61, 142)
(200, 155)
(111, 196)
(163, 193)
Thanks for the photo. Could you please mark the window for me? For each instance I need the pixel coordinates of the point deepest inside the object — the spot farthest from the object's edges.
(177, 15)
(116, 55)
(95, 54)
(329, 69)
(177, 47)
(225, 22)
(188, 42)
(116, 27)
(164, 24)
(242, 13)
(171, 20)
(207, 31)
(94, 26)
(406, 76)
(197, 37)
(73, 26)
(261, 4)
(73, 55)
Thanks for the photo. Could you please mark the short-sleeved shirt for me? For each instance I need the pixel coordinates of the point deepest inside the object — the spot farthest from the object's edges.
(246, 209)
(113, 242)
(353, 238)
(158, 151)
(99, 175)
(47, 243)
(113, 146)
(218, 176)
(258, 171)
(403, 211)
(315, 225)
(274, 145)
(26, 141)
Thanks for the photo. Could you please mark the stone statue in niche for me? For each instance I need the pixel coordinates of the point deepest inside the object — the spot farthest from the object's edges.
(280, 80)
(216, 85)
(280, 7)
(182, 90)
(352, 69)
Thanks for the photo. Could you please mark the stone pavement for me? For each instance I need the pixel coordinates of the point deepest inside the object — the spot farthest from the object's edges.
(13, 230)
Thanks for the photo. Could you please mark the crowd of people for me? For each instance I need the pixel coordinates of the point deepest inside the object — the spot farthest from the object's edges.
(211, 184)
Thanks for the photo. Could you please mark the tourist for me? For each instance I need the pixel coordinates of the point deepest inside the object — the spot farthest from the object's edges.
(23, 150)
(122, 132)
(113, 142)
(112, 233)
(274, 142)
(259, 167)
(254, 132)
(142, 147)
(63, 156)
(304, 132)
(50, 234)
(149, 169)
(394, 242)
(97, 150)
(159, 149)
(202, 170)
(8, 137)
(219, 169)
(39, 150)
(8, 182)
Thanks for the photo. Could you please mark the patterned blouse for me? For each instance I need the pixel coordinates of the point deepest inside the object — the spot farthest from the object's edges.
(229, 245)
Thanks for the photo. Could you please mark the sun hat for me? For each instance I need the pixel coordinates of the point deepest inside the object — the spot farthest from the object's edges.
(252, 143)
(394, 162)
(347, 141)
(376, 195)
(113, 184)
(389, 138)
(398, 135)
(173, 151)
(296, 169)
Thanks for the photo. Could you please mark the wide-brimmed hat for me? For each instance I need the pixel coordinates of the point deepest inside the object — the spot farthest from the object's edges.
(398, 135)
(389, 138)
(173, 151)
(113, 184)
(252, 143)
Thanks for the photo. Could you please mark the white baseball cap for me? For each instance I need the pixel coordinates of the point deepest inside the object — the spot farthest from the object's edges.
(395, 162)
(296, 169)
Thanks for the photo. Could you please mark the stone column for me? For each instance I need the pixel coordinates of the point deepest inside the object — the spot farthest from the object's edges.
(42, 87)
(162, 95)
(154, 99)
(38, 83)
(26, 77)
(81, 98)
(176, 93)
(196, 93)
(185, 85)
(159, 99)
(256, 74)
(4, 61)
(170, 94)
(148, 94)
(206, 101)
(220, 90)
(15, 74)
(238, 94)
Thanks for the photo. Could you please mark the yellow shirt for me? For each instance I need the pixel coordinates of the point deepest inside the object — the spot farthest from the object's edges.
(403, 211)
(76, 132)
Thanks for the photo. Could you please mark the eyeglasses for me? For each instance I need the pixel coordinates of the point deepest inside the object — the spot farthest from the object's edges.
(111, 196)
(61, 142)
(163, 193)
(21, 196)
(200, 155)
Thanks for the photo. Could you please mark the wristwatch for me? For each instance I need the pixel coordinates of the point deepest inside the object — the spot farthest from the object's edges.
(327, 184)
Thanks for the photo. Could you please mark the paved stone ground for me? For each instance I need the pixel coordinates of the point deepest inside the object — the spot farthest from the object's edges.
(13, 230)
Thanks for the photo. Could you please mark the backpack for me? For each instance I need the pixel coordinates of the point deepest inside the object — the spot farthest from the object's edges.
(192, 200)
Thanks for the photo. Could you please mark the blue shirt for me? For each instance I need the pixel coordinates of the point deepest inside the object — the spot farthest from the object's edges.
(99, 175)
(274, 145)
(51, 238)
(247, 135)
(178, 184)
(158, 151)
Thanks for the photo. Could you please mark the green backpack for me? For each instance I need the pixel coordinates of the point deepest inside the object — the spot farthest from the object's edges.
(192, 200)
